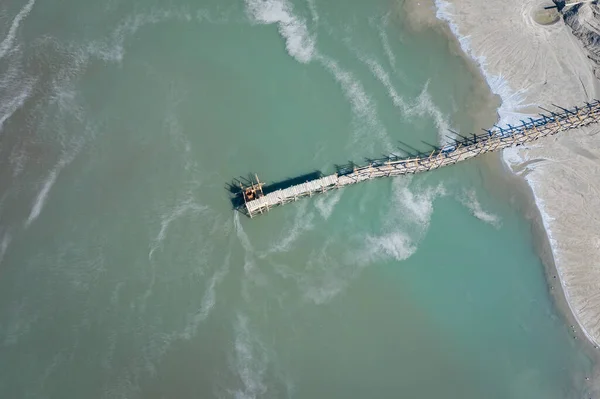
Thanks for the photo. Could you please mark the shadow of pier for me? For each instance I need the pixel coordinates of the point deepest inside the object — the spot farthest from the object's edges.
(235, 187)
(409, 159)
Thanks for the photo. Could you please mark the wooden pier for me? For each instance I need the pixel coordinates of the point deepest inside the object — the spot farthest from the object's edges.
(256, 198)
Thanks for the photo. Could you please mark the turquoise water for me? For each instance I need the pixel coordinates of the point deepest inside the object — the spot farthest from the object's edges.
(126, 274)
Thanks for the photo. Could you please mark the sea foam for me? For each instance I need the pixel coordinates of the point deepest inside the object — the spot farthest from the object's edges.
(326, 274)
(6, 238)
(405, 225)
(422, 106)
(15, 89)
(303, 222)
(414, 205)
(299, 42)
(186, 206)
(8, 42)
(112, 49)
(312, 6)
(396, 245)
(249, 360)
(10, 106)
(383, 77)
(426, 106)
(326, 203)
(469, 200)
(511, 99)
(254, 275)
(208, 302)
(385, 42)
(42, 195)
(363, 107)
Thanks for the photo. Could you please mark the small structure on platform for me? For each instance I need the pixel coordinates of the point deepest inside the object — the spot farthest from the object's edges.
(253, 199)
(252, 192)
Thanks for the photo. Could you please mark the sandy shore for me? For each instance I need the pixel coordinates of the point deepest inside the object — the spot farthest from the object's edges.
(529, 65)
(532, 65)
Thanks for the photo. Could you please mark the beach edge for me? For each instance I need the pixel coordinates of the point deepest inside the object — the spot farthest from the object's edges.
(529, 201)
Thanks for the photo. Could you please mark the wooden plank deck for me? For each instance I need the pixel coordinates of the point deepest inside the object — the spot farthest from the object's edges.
(493, 140)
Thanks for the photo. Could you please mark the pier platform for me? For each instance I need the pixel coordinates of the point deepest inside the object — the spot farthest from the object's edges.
(256, 198)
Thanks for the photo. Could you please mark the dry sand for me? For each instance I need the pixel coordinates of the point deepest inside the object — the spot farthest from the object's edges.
(530, 58)
(529, 65)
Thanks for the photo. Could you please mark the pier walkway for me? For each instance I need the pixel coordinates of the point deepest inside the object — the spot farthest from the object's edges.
(257, 198)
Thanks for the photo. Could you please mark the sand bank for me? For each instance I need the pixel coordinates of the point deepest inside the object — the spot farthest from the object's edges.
(530, 64)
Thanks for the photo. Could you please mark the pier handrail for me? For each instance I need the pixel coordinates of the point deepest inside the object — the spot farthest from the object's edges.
(257, 197)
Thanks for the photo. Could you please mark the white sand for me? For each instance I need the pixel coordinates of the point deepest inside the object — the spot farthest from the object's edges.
(531, 65)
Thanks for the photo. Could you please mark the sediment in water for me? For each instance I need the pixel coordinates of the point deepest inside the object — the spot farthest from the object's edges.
(531, 59)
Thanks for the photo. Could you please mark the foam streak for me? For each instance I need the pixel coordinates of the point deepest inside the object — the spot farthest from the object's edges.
(250, 361)
(511, 99)
(9, 40)
(167, 219)
(42, 196)
(363, 107)
(386, 43)
(9, 107)
(208, 300)
(4, 245)
(471, 202)
(299, 43)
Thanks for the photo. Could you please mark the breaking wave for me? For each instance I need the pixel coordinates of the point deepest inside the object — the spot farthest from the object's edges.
(395, 245)
(299, 42)
(511, 99)
(405, 224)
(331, 268)
(413, 205)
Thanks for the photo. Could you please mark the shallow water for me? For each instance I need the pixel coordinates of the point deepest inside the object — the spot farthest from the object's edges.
(125, 273)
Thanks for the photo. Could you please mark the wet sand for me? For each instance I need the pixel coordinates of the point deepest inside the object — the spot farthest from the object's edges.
(482, 108)
(513, 187)
(555, 183)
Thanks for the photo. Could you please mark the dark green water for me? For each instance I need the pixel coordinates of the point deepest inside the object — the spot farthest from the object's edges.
(126, 274)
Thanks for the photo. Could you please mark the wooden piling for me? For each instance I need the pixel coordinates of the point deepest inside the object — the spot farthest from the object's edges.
(256, 201)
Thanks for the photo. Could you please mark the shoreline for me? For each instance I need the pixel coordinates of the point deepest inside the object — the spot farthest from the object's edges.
(516, 166)
(523, 198)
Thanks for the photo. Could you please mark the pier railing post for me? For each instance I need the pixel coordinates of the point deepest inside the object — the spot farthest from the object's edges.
(495, 139)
